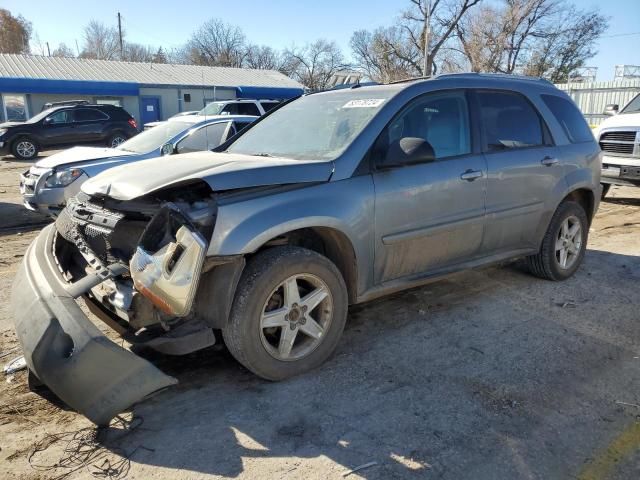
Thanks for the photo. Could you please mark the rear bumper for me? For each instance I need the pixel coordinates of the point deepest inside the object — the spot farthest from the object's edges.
(66, 351)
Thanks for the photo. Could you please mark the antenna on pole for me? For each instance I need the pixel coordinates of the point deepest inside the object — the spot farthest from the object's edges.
(120, 36)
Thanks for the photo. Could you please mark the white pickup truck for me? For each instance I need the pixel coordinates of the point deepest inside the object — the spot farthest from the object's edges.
(619, 139)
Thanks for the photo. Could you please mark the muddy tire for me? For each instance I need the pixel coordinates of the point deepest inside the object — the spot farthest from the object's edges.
(24, 148)
(288, 314)
(564, 244)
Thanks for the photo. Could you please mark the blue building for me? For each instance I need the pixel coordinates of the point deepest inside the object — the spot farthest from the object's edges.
(148, 91)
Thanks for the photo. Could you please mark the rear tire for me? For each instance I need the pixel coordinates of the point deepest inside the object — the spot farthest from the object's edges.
(24, 148)
(116, 139)
(562, 248)
(279, 327)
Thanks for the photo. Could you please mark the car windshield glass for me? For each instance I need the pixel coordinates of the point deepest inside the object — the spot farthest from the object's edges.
(155, 137)
(633, 106)
(213, 108)
(314, 127)
(41, 115)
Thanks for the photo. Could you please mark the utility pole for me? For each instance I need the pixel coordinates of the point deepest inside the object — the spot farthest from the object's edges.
(120, 36)
(427, 26)
(48, 50)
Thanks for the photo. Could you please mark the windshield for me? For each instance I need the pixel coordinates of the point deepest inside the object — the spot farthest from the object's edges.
(214, 108)
(41, 115)
(314, 127)
(155, 137)
(633, 106)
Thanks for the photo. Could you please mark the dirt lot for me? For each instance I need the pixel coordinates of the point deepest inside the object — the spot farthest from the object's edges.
(491, 374)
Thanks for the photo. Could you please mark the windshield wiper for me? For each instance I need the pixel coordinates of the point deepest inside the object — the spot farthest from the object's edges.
(263, 154)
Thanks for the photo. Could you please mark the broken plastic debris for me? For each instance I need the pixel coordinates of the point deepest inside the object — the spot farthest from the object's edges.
(15, 365)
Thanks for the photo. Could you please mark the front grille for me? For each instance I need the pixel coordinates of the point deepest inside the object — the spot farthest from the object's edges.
(619, 148)
(622, 136)
(620, 142)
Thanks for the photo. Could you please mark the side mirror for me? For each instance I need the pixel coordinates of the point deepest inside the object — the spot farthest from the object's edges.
(167, 149)
(46, 121)
(611, 109)
(407, 151)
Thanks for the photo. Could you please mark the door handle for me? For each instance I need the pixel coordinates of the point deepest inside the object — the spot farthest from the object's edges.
(471, 175)
(548, 161)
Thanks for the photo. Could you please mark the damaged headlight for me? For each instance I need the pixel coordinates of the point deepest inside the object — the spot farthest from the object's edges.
(63, 178)
(168, 261)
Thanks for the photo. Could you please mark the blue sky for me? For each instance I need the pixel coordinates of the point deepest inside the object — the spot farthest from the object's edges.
(280, 23)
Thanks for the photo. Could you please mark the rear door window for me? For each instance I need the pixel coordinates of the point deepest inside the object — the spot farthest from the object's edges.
(269, 105)
(509, 121)
(248, 109)
(88, 115)
(569, 118)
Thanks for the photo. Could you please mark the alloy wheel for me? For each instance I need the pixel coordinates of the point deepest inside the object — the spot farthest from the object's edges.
(568, 242)
(26, 149)
(116, 141)
(295, 317)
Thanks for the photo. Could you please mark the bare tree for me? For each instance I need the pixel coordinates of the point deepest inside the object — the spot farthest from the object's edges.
(262, 57)
(134, 52)
(314, 64)
(399, 51)
(216, 43)
(383, 56)
(568, 46)
(438, 20)
(101, 42)
(15, 33)
(546, 38)
(63, 51)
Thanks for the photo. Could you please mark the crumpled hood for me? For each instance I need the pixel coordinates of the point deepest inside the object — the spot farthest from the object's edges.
(79, 154)
(619, 121)
(222, 171)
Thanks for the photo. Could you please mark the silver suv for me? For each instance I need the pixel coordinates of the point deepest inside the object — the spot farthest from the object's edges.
(333, 199)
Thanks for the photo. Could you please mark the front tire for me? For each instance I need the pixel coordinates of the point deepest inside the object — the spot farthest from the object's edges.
(24, 148)
(564, 244)
(288, 314)
(605, 189)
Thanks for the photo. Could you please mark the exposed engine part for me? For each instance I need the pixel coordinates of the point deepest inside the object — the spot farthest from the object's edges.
(167, 264)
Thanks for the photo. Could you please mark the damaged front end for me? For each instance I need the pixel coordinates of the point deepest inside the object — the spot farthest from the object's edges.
(138, 265)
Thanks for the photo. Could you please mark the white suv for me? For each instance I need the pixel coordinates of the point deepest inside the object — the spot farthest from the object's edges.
(619, 138)
(239, 107)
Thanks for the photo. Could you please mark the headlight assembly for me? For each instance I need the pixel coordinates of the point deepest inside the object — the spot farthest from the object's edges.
(63, 177)
(3, 131)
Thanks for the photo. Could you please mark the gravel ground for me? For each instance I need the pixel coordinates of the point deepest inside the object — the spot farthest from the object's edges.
(490, 374)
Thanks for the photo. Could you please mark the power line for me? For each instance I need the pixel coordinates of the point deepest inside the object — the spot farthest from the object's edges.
(620, 35)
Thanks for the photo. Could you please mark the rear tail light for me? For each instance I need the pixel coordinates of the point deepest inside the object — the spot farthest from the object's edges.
(132, 122)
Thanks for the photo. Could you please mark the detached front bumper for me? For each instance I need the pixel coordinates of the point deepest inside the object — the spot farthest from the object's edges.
(66, 351)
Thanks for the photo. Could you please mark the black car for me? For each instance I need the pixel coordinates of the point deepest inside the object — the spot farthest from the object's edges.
(67, 125)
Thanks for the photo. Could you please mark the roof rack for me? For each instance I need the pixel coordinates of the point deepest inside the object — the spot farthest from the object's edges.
(64, 103)
(496, 75)
(473, 75)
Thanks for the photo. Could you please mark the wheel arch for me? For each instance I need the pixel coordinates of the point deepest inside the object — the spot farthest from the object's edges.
(328, 241)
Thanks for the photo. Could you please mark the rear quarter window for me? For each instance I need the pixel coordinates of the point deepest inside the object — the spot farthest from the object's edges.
(569, 118)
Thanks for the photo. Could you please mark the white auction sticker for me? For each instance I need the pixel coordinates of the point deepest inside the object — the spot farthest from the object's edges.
(364, 103)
